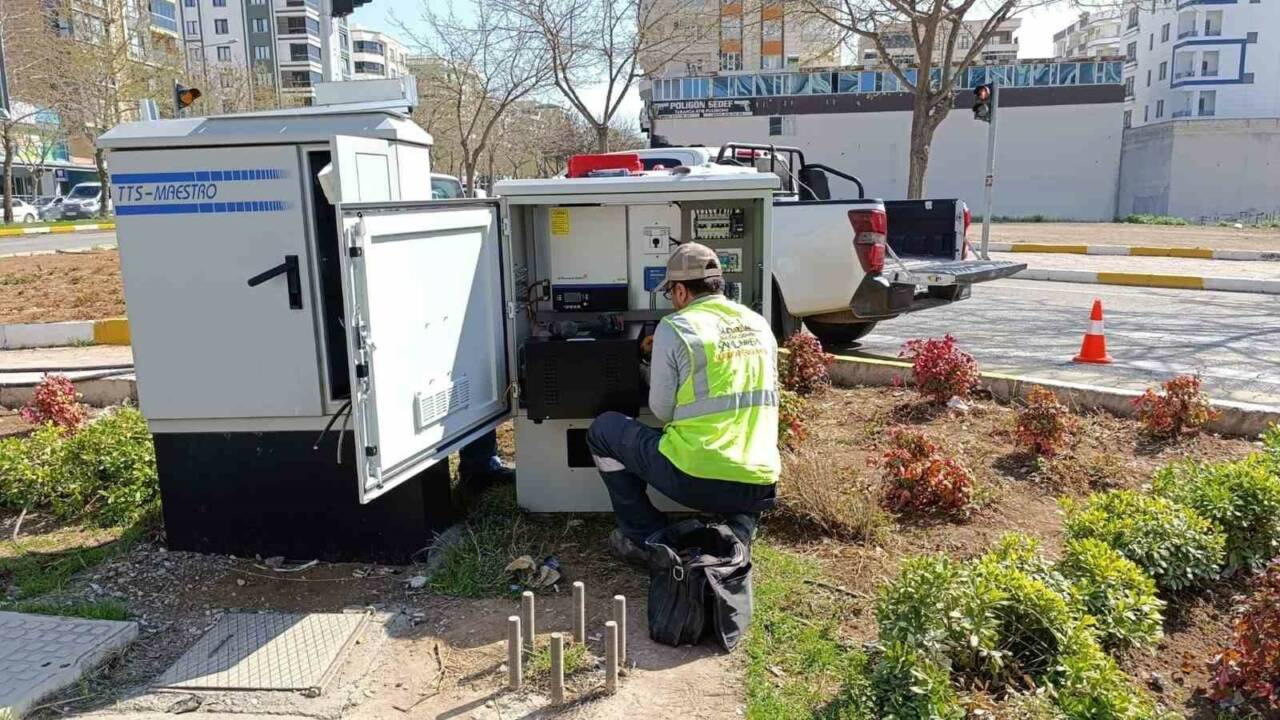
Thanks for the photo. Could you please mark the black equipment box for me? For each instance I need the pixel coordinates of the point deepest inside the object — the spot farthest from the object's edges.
(581, 378)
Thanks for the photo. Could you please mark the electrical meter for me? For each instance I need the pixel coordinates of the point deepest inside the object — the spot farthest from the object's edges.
(588, 248)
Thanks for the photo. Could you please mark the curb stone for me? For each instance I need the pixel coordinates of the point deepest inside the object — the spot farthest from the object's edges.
(55, 229)
(1199, 253)
(111, 331)
(1235, 418)
(1158, 280)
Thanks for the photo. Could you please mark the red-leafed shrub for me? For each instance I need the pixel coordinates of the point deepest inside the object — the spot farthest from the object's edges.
(942, 370)
(1250, 665)
(804, 368)
(1045, 423)
(792, 411)
(1182, 407)
(55, 401)
(919, 478)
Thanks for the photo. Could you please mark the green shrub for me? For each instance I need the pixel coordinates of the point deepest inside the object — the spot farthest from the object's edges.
(1171, 543)
(105, 473)
(1241, 499)
(1153, 220)
(1120, 597)
(1024, 554)
(1090, 686)
(910, 686)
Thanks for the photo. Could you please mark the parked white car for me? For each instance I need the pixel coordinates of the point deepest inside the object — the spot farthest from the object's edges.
(84, 201)
(24, 212)
(447, 187)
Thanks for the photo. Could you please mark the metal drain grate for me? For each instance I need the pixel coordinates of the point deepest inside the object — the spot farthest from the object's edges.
(248, 651)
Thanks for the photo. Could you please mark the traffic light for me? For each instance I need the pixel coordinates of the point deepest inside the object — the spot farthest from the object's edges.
(183, 97)
(982, 102)
(346, 7)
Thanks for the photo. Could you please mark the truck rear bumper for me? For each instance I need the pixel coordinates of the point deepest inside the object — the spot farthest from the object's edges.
(922, 285)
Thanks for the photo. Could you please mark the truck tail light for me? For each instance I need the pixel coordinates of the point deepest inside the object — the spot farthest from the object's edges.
(870, 230)
(964, 239)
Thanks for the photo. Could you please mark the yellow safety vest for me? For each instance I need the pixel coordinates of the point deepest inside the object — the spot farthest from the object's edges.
(726, 415)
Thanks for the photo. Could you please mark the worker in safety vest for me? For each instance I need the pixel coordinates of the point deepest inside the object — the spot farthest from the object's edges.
(713, 382)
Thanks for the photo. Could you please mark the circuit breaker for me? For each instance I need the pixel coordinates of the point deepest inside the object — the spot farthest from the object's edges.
(730, 229)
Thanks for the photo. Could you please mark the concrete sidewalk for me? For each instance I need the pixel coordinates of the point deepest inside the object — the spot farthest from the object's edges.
(1258, 276)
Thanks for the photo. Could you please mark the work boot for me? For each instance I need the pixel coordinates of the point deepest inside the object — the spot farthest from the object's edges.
(626, 550)
(497, 473)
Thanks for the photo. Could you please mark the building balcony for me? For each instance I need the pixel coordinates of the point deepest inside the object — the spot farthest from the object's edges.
(1180, 114)
(164, 17)
(1189, 32)
(1182, 74)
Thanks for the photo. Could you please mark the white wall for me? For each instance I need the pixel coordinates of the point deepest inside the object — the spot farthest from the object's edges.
(1060, 161)
(1205, 168)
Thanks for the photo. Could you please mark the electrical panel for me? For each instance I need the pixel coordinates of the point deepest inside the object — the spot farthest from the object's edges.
(653, 231)
(718, 224)
(588, 252)
(731, 229)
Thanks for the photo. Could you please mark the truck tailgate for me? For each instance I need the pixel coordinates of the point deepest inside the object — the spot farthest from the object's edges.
(931, 271)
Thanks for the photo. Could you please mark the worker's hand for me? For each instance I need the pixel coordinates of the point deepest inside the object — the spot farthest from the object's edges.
(646, 346)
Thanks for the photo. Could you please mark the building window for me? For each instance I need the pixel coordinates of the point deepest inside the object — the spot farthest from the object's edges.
(189, 3)
(370, 68)
(302, 52)
(770, 62)
(1208, 103)
(731, 27)
(793, 62)
(965, 41)
(297, 26)
(224, 53)
(1128, 118)
(261, 52)
(1213, 23)
(193, 54)
(782, 125)
(257, 2)
(219, 3)
(1159, 108)
(1133, 18)
(193, 27)
(220, 27)
(1148, 78)
(260, 25)
(1146, 113)
(1209, 64)
(730, 61)
(1164, 33)
(367, 46)
(1164, 70)
(1151, 41)
(1128, 87)
(1131, 53)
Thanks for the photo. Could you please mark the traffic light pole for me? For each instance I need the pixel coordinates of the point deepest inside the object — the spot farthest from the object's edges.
(991, 169)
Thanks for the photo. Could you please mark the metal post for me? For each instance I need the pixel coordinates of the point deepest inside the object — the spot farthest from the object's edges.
(579, 612)
(620, 617)
(4, 83)
(557, 668)
(514, 641)
(611, 657)
(526, 619)
(991, 168)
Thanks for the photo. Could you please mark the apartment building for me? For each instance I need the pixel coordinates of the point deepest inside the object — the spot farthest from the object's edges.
(377, 55)
(1201, 59)
(1001, 48)
(254, 52)
(1092, 35)
(735, 35)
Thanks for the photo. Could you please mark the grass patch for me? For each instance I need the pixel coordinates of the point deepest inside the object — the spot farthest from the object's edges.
(473, 566)
(1153, 220)
(44, 564)
(101, 610)
(797, 666)
(818, 496)
(576, 659)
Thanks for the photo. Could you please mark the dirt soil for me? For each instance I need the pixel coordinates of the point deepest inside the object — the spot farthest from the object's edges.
(1220, 238)
(427, 656)
(62, 286)
(1014, 493)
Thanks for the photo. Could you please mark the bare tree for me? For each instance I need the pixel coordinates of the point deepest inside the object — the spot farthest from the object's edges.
(110, 68)
(934, 30)
(34, 60)
(482, 62)
(600, 49)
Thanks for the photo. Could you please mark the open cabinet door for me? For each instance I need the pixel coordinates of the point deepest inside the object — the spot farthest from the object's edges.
(425, 293)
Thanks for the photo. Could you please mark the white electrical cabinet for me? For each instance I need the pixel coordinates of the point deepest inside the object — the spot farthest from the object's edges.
(313, 334)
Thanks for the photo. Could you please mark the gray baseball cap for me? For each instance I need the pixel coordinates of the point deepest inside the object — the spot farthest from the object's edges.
(691, 261)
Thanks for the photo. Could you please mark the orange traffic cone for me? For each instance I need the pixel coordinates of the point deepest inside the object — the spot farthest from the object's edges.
(1094, 347)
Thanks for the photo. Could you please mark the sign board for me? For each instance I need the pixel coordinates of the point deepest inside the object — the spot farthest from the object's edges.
(727, 107)
(59, 174)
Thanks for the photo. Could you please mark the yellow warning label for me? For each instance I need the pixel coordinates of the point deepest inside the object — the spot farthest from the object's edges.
(559, 221)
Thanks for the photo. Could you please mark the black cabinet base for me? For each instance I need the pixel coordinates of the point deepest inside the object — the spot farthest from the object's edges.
(270, 493)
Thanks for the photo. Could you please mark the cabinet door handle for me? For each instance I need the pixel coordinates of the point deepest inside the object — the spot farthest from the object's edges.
(288, 268)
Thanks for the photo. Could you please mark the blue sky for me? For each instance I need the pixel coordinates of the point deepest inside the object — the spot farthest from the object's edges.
(1036, 35)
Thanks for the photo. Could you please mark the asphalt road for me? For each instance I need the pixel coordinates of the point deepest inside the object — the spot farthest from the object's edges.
(1034, 328)
(48, 242)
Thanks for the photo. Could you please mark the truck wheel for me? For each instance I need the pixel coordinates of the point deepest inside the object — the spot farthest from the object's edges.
(784, 323)
(836, 334)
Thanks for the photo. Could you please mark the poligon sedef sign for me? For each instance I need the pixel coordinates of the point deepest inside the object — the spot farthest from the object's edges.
(727, 107)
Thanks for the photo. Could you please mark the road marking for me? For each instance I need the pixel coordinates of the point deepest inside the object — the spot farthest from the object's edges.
(1182, 282)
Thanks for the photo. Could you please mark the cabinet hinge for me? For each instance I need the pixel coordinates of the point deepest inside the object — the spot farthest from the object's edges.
(370, 450)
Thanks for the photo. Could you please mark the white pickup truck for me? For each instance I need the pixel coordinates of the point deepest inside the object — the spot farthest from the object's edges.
(843, 264)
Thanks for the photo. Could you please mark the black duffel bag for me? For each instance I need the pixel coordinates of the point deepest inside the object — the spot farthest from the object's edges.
(699, 584)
